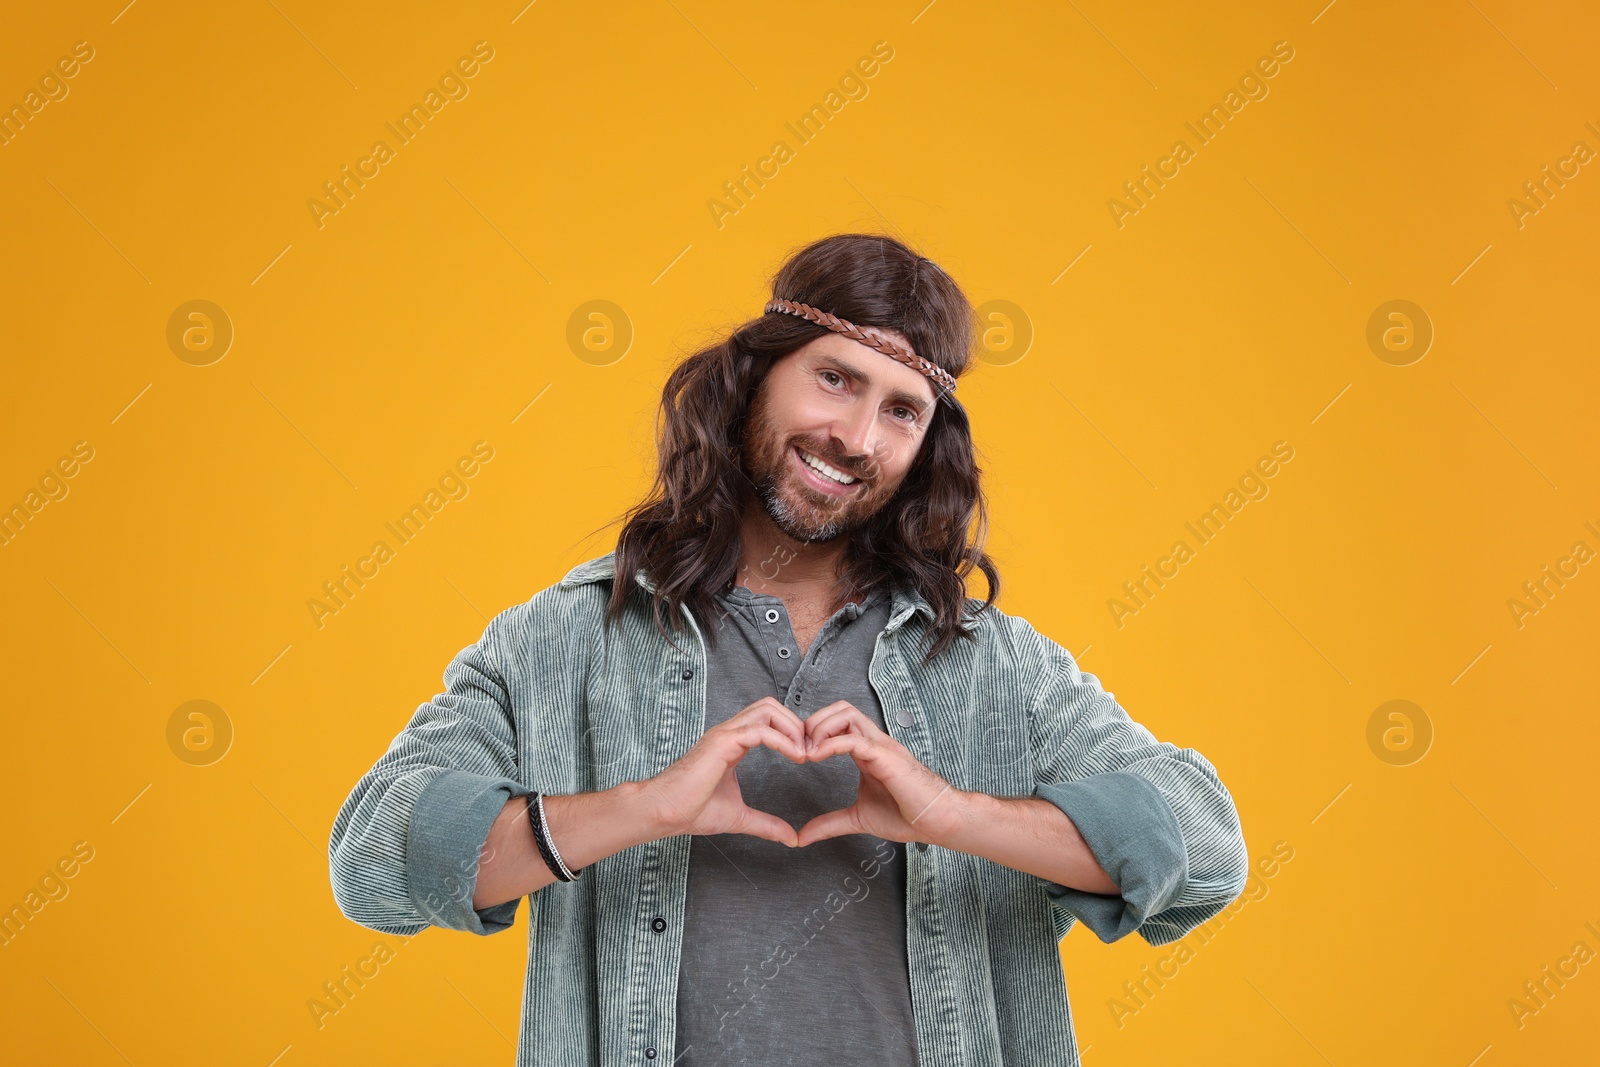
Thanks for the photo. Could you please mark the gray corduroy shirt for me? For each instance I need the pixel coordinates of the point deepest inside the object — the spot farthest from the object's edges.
(551, 698)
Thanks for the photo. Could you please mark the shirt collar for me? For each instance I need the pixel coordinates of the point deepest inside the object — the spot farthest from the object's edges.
(905, 599)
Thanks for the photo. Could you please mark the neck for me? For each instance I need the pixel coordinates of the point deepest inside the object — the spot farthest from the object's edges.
(770, 561)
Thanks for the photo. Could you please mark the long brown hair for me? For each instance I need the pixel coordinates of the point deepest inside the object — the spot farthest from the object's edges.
(685, 535)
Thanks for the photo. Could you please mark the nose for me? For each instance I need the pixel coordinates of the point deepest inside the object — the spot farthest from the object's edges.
(855, 431)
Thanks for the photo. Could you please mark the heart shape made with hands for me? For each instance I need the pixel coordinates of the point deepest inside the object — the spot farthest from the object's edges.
(899, 799)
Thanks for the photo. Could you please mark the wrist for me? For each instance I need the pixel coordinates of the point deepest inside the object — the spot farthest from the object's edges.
(643, 812)
(588, 827)
(957, 819)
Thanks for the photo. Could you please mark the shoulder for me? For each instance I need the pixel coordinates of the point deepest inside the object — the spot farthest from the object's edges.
(568, 608)
(1011, 640)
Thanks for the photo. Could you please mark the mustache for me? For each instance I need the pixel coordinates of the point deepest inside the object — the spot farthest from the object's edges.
(864, 469)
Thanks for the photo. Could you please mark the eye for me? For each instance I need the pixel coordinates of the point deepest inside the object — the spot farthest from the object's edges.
(833, 374)
(911, 416)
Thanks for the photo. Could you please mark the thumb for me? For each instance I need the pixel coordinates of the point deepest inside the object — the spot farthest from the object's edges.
(768, 826)
(828, 824)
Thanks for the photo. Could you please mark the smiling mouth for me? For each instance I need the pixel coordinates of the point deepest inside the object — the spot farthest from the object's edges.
(829, 478)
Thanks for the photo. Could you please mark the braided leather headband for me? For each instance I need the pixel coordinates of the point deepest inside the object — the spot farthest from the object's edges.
(870, 336)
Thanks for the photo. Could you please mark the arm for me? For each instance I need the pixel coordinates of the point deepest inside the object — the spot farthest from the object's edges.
(698, 794)
(405, 847)
(899, 799)
(1156, 817)
(586, 828)
(1028, 834)
(1145, 837)
(443, 811)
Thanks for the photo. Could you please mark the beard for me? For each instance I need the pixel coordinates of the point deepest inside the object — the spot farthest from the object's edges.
(800, 511)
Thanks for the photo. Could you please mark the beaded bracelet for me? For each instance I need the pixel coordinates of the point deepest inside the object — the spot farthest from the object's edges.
(547, 847)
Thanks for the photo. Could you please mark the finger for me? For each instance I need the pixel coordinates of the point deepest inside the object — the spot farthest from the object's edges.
(792, 747)
(750, 711)
(827, 714)
(829, 824)
(844, 708)
(766, 710)
(844, 721)
(745, 738)
(763, 714)
(768, 826)
(771, 703)
(827, 711)
(861, 749)
(839, 722)
(773, 712)
(781, 718)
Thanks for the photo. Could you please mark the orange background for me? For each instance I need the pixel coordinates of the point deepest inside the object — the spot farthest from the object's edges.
(432, 311)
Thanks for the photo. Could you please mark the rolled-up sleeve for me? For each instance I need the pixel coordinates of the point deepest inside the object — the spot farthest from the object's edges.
(1157, 817)
(405, 845)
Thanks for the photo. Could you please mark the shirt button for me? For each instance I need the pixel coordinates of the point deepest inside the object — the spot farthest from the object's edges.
(772, 614)
(687, 675)
(783, 653)
(650, 1053)
(658, 924)
(903, 717)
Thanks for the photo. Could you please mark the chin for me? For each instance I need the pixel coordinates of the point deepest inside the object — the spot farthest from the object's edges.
(792, 511)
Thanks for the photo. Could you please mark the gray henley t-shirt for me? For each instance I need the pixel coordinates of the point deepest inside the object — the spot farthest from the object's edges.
(794, 956)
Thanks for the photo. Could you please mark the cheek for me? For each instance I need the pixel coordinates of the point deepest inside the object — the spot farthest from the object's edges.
(893, 464)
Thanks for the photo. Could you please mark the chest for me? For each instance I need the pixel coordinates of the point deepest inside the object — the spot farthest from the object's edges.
(625, 706)
(806, 619)
(807, 616)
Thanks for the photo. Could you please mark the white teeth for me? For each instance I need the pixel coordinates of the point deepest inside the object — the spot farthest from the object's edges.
(822, 468)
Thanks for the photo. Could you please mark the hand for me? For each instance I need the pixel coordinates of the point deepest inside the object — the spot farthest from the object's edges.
(898, 800)
(699, 794)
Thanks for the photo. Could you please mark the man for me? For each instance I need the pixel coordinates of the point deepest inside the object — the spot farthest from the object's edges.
(650, 750)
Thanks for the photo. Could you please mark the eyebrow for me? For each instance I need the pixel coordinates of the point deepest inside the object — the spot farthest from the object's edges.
(910, 400)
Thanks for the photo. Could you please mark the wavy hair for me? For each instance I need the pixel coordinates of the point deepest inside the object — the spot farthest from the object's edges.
(686, 534)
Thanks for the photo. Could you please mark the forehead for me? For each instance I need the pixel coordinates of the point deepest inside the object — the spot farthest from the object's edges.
(868, 366)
